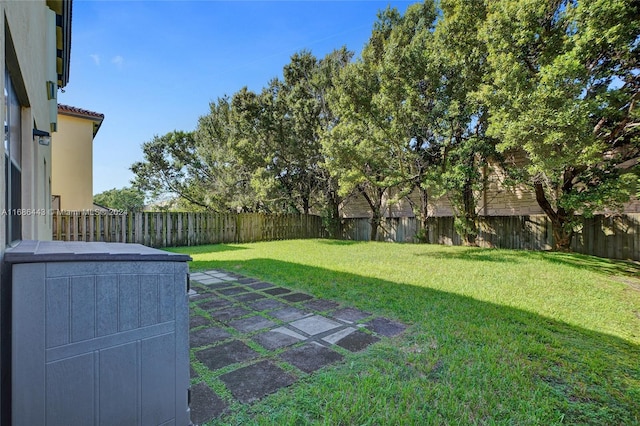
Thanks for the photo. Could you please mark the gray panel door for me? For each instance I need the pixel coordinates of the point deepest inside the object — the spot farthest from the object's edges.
(105, 344)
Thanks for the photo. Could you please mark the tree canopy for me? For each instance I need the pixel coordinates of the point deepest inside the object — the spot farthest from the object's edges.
(127, 199)
(563, 87)
(435, 93)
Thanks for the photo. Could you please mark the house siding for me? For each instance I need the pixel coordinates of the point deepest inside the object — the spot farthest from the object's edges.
(498, 198)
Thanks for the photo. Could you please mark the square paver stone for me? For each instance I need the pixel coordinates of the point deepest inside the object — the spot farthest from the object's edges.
(385, 327)
(219, 285)
(233, 275)
(321, 305)
(296, 297)
(207, 336)
(205, 404)
(225, 354)
(288, 314)
(254, 323)
(263, 305)
(311, 357)
(249, 384)
(350, 314)
(200, 288)
(357, 341)
(339, 335)
(216, 303)
(210, 281)
(247, 280)
(260, 285)
(222, 276)
(315, 324)
(198, 320)
(232, 290)
(277, 338)
(229, 313)
(277, 290)
(198, 296)
(249, 297)
(198, 275)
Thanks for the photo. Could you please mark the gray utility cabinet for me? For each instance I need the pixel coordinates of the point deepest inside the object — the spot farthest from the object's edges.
(99, 334)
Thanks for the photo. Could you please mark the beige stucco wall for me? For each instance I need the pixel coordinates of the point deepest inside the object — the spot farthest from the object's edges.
(72, 163)
(26, 25)
(27, 50)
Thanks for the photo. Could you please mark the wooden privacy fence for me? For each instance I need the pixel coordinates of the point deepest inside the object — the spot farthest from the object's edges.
(169, 229)
(615, 237)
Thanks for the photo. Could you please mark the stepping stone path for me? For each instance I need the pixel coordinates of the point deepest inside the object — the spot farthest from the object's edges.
(244, 331)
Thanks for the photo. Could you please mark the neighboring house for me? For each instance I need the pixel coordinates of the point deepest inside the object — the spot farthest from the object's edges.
(34, 62)
(72, 158)
(495, 199)
(101, 209)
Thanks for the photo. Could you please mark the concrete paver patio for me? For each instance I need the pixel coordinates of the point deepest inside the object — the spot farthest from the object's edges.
(243, 331)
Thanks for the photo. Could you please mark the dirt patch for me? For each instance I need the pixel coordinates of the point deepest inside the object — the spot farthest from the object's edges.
(633, 283)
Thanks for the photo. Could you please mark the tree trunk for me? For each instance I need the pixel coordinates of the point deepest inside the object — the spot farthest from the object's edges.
(375, 204)
(375, 224)
(333, 224)
(470, 227)
(562, 238)
(424, 215)
(306, 205)
(560, 221)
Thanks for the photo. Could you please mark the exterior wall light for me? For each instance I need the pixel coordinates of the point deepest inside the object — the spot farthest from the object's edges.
(44, 138)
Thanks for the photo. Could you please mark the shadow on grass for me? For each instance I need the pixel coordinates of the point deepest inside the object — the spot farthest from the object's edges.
(474, 254)
(596, 264)
(211, 248)
(519, 360)
(575, 260)
(340, 242)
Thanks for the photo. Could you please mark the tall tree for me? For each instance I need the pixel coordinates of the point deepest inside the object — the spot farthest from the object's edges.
(199, 168)
(172, 166)
(277, 133)
(264, 144)
(374, 145)
(458, 67)
(354, 148)
(127, 199)
(406, 75)
(228, 181)
(564, 88)
(322, 83)
(419, 123)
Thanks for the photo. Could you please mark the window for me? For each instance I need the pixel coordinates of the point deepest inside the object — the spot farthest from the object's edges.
(13, 164)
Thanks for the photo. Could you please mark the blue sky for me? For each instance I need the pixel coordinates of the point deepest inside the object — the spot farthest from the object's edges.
(154, 66)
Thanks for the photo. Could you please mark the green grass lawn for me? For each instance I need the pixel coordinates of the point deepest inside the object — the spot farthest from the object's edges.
(495, 336)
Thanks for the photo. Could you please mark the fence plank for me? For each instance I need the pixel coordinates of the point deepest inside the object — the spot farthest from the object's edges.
(616, 237)
(164, 229)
